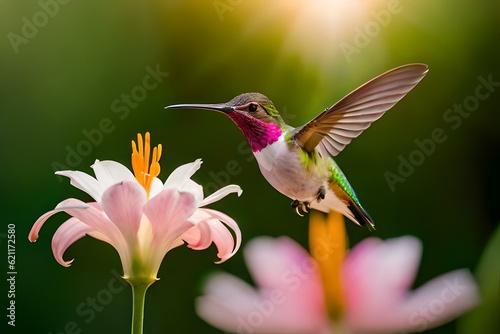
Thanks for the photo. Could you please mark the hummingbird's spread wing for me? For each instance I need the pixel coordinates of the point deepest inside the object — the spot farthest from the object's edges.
(335, 127)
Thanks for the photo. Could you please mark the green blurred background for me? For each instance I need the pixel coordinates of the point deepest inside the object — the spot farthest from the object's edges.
(68, 72)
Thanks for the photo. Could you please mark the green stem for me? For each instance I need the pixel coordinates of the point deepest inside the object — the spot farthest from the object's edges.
(139, 295)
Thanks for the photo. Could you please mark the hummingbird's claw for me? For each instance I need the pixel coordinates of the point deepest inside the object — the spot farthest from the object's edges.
(295, 205)
(298, 212)
(304, 208)
(321, 194)
(300, 207)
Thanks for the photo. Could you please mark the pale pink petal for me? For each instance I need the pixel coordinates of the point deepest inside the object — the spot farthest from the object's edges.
(176, 243)
(83, 182)
(377, 277)
(69, 232)
(266, 257)
(87, 214)
(221, 193)
(228, 302)
(440, 300)
(100, 236)
(123, 204)
(224, 241)
(198, 237)
(389, 265)
(35, 229)
(103, 228)
(207, 231)
(182, 174)
(110, 172)
(96, 219)
(168, 213)
(289, 297)
(208, 228)
(231, 292)
(229, 222)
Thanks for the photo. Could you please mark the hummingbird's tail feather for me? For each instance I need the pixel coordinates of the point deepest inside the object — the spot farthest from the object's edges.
(339, 200)
(361, 215)
(332, 202)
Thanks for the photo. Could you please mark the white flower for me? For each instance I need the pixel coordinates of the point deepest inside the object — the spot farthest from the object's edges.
(141, 217)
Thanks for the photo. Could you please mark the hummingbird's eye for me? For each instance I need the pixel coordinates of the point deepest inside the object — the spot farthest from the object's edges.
(253, 107)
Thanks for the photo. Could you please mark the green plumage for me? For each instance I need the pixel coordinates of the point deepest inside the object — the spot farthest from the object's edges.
(339, 178)
(343, 190)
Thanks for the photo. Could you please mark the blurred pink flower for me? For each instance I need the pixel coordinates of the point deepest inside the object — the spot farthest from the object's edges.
(370, 287)
(141, 217)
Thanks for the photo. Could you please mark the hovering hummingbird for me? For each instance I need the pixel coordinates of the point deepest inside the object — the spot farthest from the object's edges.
(298, 161)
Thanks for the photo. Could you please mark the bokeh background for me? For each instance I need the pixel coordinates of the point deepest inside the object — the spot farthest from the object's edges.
(68, 72)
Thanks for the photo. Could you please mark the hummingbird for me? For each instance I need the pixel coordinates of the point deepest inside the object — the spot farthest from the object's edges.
(298, 162)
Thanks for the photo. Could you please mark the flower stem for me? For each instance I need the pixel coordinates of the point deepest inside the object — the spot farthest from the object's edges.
(139, 295)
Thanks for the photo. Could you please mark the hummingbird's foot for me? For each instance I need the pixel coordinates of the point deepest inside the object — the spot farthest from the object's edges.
(300, 207)
(321, 194)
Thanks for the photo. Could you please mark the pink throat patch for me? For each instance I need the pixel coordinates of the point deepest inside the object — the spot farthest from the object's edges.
(258, 133)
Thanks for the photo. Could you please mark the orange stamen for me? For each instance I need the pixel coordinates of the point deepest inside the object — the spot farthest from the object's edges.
(144, 171)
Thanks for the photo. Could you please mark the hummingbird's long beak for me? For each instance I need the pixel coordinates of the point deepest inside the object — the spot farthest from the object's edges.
(221, 107)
